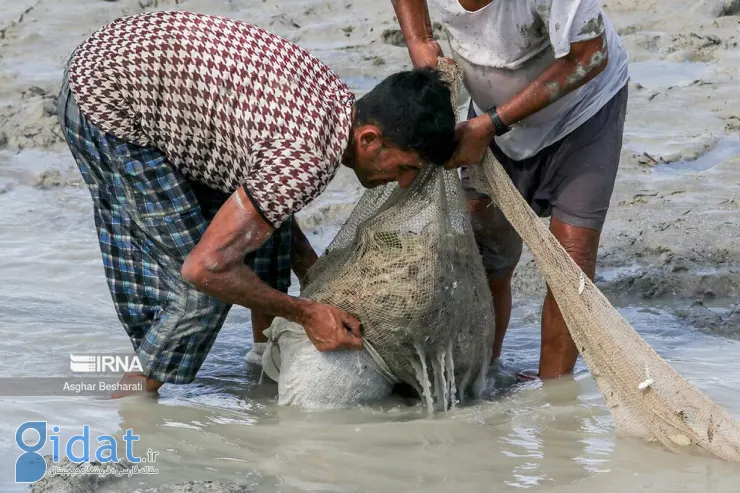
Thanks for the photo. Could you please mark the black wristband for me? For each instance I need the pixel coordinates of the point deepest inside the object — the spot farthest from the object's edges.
(501, 127)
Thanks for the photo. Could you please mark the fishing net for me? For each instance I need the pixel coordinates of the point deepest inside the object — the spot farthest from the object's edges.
(406, 264)
(647, 398)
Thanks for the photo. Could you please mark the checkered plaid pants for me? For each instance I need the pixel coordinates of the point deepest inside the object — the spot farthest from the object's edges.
(148, 218)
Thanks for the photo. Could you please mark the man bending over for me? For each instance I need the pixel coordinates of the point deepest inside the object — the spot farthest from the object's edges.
(199, 138)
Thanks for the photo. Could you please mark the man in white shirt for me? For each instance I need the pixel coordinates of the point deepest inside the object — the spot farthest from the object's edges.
(548, 83)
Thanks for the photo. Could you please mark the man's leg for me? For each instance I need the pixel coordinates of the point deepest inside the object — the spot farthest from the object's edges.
(172, 325)
(558, 352)
(112, 224)
(583, 169)
(260, 323)
(498, 242)
(500, 248)
(501, 295)
(147, 219)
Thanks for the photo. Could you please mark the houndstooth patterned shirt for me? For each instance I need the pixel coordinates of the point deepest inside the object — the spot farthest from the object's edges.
(228, 103)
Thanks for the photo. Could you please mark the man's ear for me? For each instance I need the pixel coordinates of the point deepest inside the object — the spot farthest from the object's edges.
(369, 137)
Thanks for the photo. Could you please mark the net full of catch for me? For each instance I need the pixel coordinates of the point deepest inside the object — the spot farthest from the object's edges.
(646, 396)
(406, 264)
(411, 273)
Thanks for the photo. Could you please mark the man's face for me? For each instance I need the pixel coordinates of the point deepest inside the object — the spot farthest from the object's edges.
(377, 164)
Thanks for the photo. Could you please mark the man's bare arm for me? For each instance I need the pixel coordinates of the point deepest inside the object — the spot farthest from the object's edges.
(413, 17)
(586, 60)
(416, 26)
(216, 267)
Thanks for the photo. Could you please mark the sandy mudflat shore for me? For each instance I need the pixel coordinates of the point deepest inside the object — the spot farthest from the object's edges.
(673, 226)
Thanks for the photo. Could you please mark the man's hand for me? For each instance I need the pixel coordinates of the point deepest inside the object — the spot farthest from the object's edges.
(416, 26)
(473, 136)
(330, 328)
(424, 53)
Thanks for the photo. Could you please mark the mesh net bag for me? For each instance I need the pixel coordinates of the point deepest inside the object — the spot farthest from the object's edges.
(647, 398)
(406, 264)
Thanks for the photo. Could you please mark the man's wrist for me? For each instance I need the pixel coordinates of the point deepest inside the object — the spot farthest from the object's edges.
(422, 52)
(484, 127)
(293, 308)
(499, 127)
(300, 312)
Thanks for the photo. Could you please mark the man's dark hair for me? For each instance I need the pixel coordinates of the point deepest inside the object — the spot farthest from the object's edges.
(414, 112)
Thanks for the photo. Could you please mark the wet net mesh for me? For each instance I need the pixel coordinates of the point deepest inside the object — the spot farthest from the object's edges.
(647, 398)
(402, 265)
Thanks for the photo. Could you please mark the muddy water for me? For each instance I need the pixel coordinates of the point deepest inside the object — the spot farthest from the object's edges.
(671, 237)
(553, 437)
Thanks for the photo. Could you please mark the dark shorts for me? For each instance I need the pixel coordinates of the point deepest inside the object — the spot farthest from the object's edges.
(148, 218)
(572, 180)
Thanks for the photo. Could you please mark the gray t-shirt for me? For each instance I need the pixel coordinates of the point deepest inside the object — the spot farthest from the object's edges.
(507, 44)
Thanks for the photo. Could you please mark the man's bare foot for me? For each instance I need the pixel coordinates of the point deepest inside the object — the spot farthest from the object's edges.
(136, 384)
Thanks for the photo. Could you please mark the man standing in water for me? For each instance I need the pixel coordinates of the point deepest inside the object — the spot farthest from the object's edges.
(548, 83)
(199, 137)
